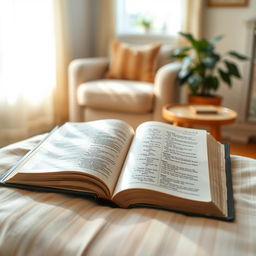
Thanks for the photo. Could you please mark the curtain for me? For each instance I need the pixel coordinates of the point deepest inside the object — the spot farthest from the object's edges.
(63, 58)
(27, 68)
(105, 26)
(193, 17)
(192, 22)
(34, 58)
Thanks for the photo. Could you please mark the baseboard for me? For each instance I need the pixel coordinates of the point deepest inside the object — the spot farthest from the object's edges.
(239, 132)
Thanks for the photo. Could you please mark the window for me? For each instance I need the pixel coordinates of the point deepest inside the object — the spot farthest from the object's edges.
(144, 16)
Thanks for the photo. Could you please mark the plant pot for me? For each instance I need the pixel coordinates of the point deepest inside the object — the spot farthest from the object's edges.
(205, 100)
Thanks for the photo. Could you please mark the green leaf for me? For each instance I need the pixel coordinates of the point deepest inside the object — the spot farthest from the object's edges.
(187, 61)
(237, 55)
(211, 83)
(209, 62)
(216, 39)
(201, 45)
(183, 73)
(186, 69)
(188, 36)
(181, 50)
(194, 81)
(225, 77)
(215, 56)
(180, 53)
(178, 56)
(183, 76)
(232, 69)
(210, 49)
(199, 68)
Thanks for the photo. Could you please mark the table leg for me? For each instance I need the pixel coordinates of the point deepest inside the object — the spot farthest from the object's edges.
(175, 123)
(215, 132)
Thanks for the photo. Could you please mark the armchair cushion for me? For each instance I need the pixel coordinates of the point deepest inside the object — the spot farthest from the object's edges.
(133, 62)
(117, 95)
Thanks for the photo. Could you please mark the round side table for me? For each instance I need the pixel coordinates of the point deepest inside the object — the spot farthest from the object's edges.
(181, 115)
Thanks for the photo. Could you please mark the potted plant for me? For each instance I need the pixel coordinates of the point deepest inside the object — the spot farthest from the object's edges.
(202, 68)
(146, 23)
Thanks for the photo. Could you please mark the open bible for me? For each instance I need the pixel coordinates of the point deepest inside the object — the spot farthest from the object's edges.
(158, 165)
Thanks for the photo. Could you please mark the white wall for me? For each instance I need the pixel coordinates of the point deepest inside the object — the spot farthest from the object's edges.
(231, 22)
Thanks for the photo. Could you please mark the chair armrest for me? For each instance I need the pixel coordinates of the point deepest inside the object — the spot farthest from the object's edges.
(166, 88)
(81, 71)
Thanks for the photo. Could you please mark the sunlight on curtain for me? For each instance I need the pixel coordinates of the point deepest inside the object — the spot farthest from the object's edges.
(27, 68)
(104, 27)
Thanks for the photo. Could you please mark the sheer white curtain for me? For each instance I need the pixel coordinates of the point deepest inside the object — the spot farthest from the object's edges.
(63, 58)
(27, 68)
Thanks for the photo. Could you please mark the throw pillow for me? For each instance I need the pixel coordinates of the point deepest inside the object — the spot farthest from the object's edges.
(133, 63)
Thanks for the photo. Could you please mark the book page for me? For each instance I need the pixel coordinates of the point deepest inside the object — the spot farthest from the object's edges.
(97, 148)
(168, 159)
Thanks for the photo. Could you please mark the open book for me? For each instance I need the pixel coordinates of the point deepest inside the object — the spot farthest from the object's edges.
(159, 165)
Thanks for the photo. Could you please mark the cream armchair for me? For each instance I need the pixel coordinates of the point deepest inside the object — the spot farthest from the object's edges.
(92, 97)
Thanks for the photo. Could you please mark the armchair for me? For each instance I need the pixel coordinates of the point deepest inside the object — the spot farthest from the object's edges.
(93, 97)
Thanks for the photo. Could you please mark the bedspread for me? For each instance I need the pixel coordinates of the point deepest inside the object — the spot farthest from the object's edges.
(40, 223)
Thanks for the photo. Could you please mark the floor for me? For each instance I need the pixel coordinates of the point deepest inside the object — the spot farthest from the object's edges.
(241, 149)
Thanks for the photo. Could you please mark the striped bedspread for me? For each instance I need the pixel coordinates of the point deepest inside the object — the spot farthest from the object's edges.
(34, 223)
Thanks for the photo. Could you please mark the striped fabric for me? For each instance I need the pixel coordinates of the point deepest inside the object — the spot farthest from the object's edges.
(34, 223)
(133, 63)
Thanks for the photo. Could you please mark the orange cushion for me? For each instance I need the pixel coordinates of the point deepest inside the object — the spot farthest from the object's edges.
(133, 63)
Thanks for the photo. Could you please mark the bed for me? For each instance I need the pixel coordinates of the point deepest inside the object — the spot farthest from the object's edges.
(39, 223)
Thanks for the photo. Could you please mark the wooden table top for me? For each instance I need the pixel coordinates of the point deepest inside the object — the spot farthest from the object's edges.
(182, 113)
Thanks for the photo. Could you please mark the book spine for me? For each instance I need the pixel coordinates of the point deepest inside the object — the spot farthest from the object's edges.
(230, 200)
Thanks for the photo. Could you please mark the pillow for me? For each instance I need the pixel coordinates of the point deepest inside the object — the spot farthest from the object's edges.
(133, 63)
